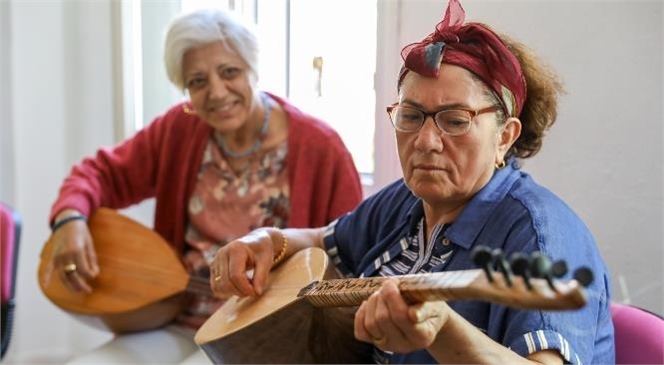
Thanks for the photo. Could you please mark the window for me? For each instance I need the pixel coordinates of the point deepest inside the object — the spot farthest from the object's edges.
(320, 54)
(332, 66)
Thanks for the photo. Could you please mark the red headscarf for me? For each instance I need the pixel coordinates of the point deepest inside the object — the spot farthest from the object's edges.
(473, 47)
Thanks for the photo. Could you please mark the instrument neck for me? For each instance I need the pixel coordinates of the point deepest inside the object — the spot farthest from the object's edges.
(448, 286)
(199, 285)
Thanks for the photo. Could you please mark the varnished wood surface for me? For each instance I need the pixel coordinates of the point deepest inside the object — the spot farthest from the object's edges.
(141, 283)
(284, 283)
(280, 327)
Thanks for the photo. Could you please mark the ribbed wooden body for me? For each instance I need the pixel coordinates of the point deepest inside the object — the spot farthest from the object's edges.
(141, 284)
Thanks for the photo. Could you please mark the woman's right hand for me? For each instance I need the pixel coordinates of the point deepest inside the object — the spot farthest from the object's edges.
(232, 266)
(74, 257)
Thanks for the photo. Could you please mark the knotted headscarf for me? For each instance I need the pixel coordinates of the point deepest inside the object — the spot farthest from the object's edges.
(473, 47)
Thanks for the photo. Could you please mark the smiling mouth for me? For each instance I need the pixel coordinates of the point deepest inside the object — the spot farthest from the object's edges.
(222, 108)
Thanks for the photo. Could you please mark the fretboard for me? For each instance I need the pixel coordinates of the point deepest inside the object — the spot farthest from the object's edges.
(199, 285)
(449, 286)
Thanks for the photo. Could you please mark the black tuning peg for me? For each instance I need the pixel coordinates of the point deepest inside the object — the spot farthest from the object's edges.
(521, 266)
(559, 268)
(542, 268)
(540, 265)
(584, 276)
(482, 258)
(501, 263)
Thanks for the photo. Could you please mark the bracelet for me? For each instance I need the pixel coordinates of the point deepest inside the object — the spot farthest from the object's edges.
(284, 247)
(56, 225)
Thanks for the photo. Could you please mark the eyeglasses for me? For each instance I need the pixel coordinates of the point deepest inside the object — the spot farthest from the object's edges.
(453, 122)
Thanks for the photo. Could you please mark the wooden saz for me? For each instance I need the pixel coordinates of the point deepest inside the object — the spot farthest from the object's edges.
(305, 317)
(142, 283)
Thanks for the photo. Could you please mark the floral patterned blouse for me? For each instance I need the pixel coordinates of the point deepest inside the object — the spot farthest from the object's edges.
(226, 205)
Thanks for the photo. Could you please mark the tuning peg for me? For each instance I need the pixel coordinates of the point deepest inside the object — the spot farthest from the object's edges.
(521, 266)
(584, 276)
(502, 264)
(559, 268)
(540, 266)
(482, 258)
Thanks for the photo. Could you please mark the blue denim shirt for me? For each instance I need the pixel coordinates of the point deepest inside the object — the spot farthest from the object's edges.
(513, 213)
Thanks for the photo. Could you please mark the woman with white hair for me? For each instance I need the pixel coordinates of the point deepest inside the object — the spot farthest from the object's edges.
(230, 159)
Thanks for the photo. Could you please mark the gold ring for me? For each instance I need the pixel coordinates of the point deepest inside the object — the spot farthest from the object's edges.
(69, 268)
(380, 341)
(217, 278)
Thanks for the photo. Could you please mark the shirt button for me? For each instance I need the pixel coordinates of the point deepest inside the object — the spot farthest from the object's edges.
(446, 241)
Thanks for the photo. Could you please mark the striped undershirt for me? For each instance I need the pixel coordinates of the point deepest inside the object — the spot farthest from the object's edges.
(419, 256)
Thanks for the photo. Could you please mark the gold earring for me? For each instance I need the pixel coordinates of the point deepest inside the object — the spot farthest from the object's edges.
(187, 109)
(500, 165)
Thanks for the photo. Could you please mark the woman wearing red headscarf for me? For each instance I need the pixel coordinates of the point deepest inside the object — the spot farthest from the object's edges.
(471, 105)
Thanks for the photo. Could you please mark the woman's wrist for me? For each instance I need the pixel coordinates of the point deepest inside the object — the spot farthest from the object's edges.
(65, 217)
(280, 245)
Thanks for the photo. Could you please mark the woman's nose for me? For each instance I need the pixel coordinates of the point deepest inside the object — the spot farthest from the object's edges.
(218, 87)
(429, 137)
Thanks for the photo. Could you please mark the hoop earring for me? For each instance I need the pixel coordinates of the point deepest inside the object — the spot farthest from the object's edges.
(500, 165)
(187, 110)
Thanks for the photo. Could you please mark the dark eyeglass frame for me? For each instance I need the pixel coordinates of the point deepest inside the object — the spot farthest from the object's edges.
(471, 115)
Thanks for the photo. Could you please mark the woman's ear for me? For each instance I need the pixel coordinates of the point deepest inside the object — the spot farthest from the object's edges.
(508, 135)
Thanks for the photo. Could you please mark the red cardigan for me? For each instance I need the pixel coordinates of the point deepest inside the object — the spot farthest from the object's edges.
(163, 159)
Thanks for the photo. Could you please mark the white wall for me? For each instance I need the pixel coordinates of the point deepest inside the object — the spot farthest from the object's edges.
(604, 156)
(61, 109)
(6, 128)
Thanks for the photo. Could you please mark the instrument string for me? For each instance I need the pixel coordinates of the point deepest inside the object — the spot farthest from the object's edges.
(342, 289)
(165, 277)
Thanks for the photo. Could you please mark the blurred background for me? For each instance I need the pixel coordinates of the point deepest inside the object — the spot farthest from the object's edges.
(77, 75)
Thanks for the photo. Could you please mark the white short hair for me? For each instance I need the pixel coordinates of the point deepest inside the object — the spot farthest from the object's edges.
(203, 27)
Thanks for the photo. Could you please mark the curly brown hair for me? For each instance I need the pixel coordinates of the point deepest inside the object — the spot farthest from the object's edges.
(540, 109)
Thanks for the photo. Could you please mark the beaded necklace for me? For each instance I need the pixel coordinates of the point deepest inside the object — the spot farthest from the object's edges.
(267, 106)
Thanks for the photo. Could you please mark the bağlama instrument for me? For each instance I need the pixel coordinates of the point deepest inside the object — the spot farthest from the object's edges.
(142, 283)
(306, 316)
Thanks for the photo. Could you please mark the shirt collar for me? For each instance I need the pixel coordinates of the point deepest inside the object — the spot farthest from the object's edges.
(477, 212)
(479, 209)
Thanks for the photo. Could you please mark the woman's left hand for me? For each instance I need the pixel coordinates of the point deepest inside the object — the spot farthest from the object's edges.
(390, 323)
